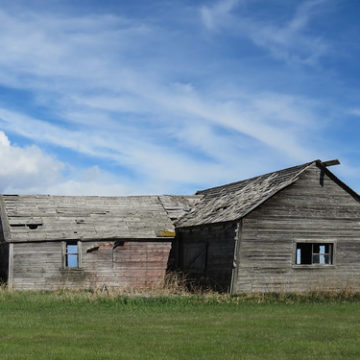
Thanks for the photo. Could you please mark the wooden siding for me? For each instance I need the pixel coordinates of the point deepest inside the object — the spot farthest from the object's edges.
(304, 211)
(206, 253)
(130, 264)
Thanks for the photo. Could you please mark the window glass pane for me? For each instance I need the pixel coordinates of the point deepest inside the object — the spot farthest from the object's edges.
(327, 259)
(71, 249)
(71, 255)
(298, 256)
(72, 260)
(316, 248)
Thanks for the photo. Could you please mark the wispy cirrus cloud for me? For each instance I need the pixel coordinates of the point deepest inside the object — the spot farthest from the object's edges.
(217, 14)
(286, 40)
(291, 42)
(113, 92)
(75, 74)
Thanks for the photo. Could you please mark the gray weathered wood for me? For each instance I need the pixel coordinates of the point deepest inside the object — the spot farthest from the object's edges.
(132, 265)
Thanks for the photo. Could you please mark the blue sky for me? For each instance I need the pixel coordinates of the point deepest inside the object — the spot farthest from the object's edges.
(113, 98)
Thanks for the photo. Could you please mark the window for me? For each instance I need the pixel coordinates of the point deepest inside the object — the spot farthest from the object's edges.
(314, 253)
(72, 255)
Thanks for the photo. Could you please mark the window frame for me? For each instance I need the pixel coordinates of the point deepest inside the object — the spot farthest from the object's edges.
(65, 254)
(314, 242)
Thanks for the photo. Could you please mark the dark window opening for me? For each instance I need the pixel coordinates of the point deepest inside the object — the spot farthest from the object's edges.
(314, 253)
(72, 255)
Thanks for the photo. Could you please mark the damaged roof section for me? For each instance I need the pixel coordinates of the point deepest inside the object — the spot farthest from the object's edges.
(46, 217)
(178, 205)
(233, 201)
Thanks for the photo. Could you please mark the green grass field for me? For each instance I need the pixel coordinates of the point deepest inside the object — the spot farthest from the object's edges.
(85, 326)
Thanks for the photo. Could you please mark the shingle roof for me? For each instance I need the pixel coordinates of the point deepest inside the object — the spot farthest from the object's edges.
(233, 201)
(46, 217)
(51, 218)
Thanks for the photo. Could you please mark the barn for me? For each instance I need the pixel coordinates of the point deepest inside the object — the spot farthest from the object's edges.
(53, 242)
(293, 230)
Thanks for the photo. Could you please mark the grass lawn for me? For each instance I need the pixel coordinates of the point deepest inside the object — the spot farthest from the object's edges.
(78, 326)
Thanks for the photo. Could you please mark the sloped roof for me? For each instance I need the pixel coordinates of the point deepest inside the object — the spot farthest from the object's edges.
(47, 218)
(233, 201)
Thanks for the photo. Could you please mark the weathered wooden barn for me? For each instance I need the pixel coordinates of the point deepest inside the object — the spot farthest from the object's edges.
(52, 242)
(296, 229)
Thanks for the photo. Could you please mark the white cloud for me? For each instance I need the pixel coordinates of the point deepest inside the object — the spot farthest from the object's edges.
(91, 181)
(28, 170)
(98, 123)
(4, 141)
(116, 106)
(23, 167)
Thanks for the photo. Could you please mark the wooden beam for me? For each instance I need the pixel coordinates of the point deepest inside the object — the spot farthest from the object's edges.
(236, 258)
(331, 162)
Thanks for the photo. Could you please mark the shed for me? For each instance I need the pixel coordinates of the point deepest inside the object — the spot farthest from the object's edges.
(296, 229)
(52, 242)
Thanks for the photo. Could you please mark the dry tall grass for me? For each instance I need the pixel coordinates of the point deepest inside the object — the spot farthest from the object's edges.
(176, 287)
